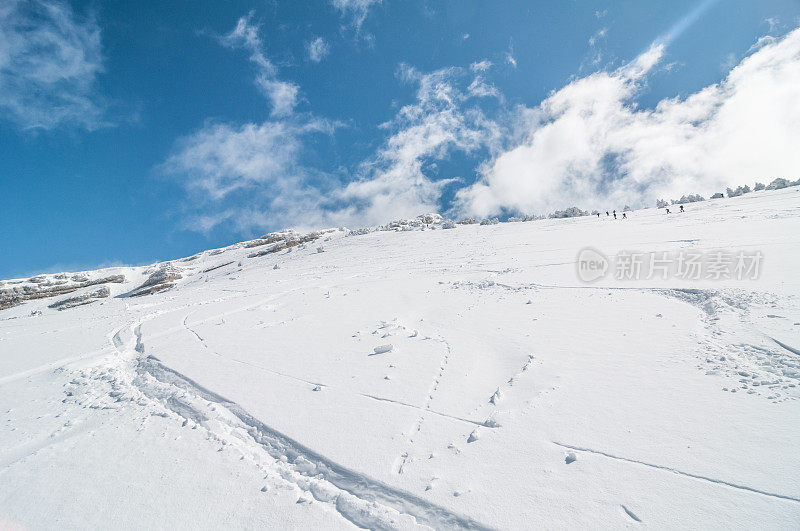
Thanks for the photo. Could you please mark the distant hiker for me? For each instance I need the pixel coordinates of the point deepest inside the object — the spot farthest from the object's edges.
(624, 216)
(607, 213)
(667, 211)
(598, 215)
(681, 208)
(615, 214)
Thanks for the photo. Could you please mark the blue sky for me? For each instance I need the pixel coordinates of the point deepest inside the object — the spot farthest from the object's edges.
(139, 131)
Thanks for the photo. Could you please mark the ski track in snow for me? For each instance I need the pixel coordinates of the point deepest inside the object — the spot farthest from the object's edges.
(70, 429)
(250, 364)
(416, 428)
(133, 377)
(678, 472)
(426, 410)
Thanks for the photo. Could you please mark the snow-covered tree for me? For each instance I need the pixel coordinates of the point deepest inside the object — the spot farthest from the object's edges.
(778, 183)
(571, 212)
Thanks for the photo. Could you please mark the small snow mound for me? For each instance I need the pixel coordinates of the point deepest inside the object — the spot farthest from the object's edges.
(382, 349)
(496, 397)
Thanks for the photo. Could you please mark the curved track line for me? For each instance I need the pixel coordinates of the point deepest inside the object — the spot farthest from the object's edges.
(679, 472)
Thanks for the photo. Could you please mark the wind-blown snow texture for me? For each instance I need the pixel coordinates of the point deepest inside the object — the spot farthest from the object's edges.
(413, 377)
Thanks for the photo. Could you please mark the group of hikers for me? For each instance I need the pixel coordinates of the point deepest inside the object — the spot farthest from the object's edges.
(624, 216)
(614, 212)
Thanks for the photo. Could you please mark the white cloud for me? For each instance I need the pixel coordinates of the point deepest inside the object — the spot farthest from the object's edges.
(481, 89)
(318, 49)
(761, 42)
(356, 9)
(481, 66)
(222, 158)
(249, 175)
(773, 22)
(283, 95)
(598, 35)
(49, 62)
(510, 59)
(398, 182)
(589, 144)
(596, 49)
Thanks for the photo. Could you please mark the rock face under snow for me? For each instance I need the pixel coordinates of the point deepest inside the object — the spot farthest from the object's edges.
(280, 241)
(81, 300)
(42, 286)
(162, 278)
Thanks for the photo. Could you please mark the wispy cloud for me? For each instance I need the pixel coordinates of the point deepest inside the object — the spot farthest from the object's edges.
(282, 94)
(318, 49)
(357, 10)
(596, 49)
(509, 55)
(401, 180)
(222, 158)
(49, 63)
(481, 66)
(246, 173)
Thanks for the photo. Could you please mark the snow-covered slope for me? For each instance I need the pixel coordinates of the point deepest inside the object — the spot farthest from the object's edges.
(459, 377)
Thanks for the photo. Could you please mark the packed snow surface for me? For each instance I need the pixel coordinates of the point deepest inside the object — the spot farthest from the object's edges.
(411, 377)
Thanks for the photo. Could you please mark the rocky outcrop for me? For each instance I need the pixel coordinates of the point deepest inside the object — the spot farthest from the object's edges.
(282, 240)
(162, 278)
(274, 237)
(41, 287)
(81, 300)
